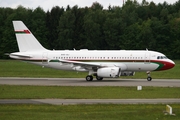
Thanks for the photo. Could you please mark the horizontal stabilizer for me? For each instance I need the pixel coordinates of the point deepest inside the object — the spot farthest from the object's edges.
(19, 56)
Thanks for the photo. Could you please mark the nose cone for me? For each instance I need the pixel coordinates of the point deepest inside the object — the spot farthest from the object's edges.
(171, 64)
(168, 65)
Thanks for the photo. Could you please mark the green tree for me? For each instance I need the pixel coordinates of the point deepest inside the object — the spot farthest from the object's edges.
(52, 23)
(130, 37)
(96, 6)
(146, 36)
(113, 29)
(93, 29)
(175, 35)
(66, 30)
(78, 37)
(38, 26)
(129, 13)
(161, 35)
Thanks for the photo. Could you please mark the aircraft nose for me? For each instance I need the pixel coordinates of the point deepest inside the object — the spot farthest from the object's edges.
(168, 65)
(172, 64)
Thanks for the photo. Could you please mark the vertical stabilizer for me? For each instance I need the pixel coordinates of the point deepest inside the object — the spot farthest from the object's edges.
(25, 39)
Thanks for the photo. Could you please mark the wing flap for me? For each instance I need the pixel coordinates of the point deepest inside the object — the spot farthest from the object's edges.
(82, 64)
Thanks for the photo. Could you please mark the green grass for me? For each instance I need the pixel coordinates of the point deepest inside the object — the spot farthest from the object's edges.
(87, 112)
(13, 68)
(79, 92)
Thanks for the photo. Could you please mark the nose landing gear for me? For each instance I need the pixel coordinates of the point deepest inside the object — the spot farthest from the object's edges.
(149, 78)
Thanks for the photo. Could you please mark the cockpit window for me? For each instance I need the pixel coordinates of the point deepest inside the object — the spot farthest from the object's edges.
(162, 57)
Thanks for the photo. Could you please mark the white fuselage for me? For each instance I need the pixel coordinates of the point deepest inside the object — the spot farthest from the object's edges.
(135, 60)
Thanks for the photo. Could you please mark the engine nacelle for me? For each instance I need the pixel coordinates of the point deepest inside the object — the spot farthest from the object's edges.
(127, 73)
(109, 72)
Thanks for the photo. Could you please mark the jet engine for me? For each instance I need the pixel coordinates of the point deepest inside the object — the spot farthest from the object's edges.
(109, 72)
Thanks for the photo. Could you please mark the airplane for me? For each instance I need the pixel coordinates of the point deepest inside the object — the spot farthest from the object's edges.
(98, 63)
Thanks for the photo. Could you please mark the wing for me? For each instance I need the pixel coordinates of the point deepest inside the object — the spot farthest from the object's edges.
(92, 65)
(85, 65)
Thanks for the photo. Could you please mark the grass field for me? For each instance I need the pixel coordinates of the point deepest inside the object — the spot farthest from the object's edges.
(87, 92)
(87, 112)
(13, 68)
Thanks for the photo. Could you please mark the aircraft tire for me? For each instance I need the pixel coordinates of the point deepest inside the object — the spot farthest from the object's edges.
(149, 78)
(89, 78)
(99, 78)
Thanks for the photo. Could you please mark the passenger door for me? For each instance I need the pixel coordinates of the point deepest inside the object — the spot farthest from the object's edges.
(45, 58)
(147, 57)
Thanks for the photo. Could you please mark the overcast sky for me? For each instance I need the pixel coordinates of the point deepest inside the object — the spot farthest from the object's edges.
(48, 4)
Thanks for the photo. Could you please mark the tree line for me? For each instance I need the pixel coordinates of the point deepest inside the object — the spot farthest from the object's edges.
(133, 26)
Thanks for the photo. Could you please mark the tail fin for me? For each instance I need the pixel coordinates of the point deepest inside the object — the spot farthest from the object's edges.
(25, 39)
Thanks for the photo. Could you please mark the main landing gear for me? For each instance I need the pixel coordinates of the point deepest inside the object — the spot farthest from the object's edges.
(90, 78)
(99, 78)
(149, 78)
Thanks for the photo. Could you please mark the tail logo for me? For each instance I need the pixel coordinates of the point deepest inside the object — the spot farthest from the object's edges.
(23, 32)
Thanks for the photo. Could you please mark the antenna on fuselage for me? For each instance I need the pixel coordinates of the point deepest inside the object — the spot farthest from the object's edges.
(146, 49)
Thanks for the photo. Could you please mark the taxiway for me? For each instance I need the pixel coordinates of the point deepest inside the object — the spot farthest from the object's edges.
(83, 82)
(89, 101)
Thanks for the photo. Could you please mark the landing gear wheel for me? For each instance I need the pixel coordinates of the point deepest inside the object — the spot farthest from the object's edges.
(99, 78)
(89, 78)
(149, 78)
